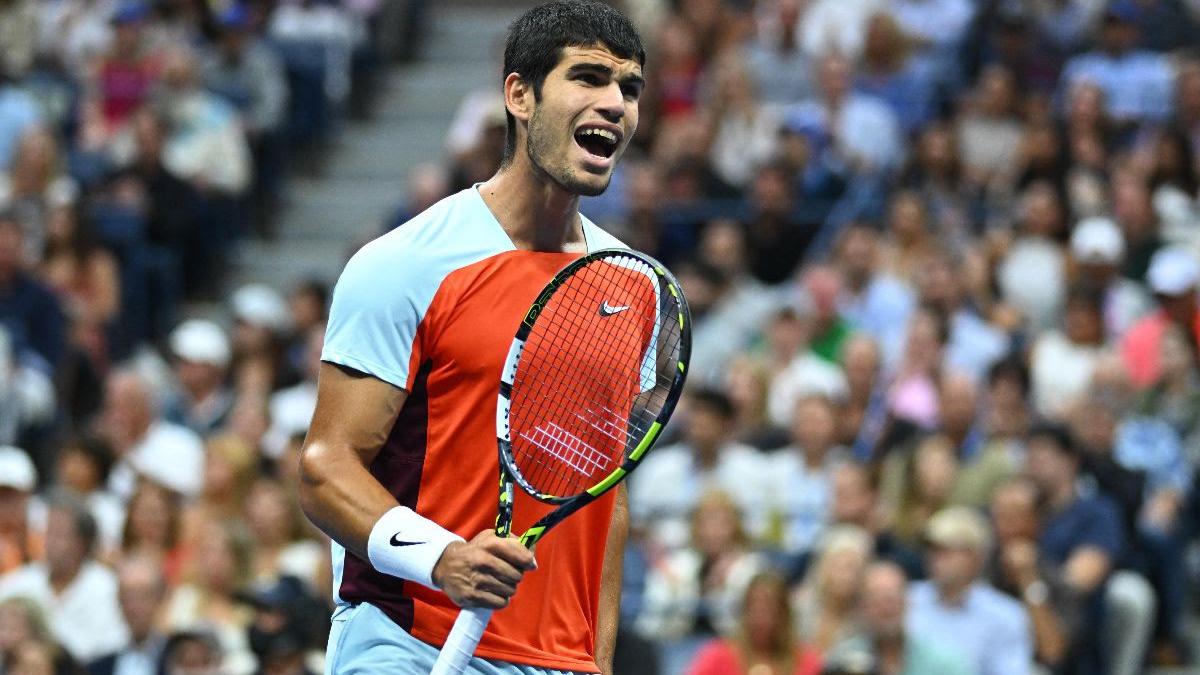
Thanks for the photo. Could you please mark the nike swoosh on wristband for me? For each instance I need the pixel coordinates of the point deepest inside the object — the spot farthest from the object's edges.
(608, 310)
(396, 542)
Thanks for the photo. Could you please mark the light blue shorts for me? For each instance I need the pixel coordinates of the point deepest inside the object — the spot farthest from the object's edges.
(364, 641)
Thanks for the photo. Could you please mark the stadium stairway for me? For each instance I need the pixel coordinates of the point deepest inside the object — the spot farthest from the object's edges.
(324, 219)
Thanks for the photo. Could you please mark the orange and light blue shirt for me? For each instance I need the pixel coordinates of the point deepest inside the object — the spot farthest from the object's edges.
(432, 307)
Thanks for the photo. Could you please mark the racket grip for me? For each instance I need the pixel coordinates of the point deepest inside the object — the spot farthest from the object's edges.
(460, 644)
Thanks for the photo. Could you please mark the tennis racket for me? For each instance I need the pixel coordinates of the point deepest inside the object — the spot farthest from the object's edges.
(592, 376)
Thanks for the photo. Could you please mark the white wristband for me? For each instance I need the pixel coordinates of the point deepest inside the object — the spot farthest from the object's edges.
(404, 544)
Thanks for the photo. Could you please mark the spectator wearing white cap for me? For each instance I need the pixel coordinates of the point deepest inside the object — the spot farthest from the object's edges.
(261, 322)
(957, 608)
(1098, 251)
(201, 361)
(1174, 276)
(19, 545)
(145, 445)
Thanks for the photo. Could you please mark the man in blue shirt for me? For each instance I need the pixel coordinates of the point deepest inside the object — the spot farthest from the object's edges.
(1137, 83)
(956, 607)
(28, 309)
(1081, 535)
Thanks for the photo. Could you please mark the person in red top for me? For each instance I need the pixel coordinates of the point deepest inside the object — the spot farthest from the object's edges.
(764, 643)
(1174, 276)
(400, 463)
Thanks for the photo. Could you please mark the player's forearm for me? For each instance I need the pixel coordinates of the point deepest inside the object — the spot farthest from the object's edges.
(610, 583)
(340, 496)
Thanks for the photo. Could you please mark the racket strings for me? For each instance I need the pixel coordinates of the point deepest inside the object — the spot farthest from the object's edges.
(596, 370)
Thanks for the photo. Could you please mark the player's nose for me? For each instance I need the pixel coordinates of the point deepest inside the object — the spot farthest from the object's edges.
(611, 103)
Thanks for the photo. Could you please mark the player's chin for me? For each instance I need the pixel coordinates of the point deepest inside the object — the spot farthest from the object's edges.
(587, 184)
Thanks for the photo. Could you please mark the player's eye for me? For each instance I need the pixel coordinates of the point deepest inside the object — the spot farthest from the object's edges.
(631, 91)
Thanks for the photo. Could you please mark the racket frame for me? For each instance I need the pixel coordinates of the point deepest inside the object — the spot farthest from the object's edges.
(509, 473)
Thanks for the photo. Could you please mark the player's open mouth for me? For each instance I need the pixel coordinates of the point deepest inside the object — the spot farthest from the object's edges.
(597, 141)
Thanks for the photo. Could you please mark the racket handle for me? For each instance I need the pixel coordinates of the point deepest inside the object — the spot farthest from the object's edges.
(460, 644)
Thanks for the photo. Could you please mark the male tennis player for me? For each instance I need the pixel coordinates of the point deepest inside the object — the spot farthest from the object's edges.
(400, 464)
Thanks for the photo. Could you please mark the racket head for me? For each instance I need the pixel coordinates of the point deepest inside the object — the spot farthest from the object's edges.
(592, 376)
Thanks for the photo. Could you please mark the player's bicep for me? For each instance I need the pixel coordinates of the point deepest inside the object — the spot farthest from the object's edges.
(355, 412)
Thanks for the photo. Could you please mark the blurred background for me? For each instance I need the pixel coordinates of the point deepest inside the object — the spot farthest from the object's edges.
(942, 256)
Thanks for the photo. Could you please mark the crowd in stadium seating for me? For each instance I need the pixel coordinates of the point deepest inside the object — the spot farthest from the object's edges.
(148, 519)
(943, 259)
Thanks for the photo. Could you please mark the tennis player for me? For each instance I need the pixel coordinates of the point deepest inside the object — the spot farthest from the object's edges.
(400, 465)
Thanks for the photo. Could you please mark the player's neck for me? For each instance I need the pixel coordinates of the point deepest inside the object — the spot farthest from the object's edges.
(535, 212)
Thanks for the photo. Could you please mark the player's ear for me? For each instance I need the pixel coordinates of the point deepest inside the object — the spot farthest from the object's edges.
(518, 97)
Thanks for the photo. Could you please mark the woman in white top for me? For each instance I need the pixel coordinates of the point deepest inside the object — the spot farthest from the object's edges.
(1062, 361)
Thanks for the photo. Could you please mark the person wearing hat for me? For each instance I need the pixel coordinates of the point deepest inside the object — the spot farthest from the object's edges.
(1137, 83)
(19, 545)
(957, 607)
(1098, 251)
(1174, 277)
(886, 646)
(201, 361)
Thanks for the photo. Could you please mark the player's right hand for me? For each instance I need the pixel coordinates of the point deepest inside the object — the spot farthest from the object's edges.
(483, 572)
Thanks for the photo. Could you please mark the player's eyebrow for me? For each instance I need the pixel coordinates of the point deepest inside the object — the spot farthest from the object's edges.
(600, 69)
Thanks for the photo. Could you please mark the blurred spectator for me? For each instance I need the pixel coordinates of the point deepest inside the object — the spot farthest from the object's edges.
(278, 528)
(145, 445)
(744, 130)
(832, 27)
(206, 144)
(230, 466)
(1098, 250)
(29, 311)
(775, 240)
(202, 356)
(261, 320)
(839, 122)
(249, 75)
(26, 643)
(86, 276)
(890, 72)
(122, 81)
(972, 345)
(871, 299)
(989, 132)
(1174, 277)
(802, 473)
(35, 185)
(863, 414)
(1032, 274)
(828, 596)
(696, 592)
(777, 64)
(1062, 362)
(800, 370)
(291, 409)
(747, 380)
(287, 624)
(192, 652)
(152, 530)
(989, 628)
(427, 185)
(1017, 568)
(19, 114)
(917, 484)
(78, 594)
(20, 542)
(912, 393)
(82, 468)
(27, 395)
(207, 598)
(885, 645)
(671, 481)
(1173, 398)
(1081, 537)
(1137, 83)
(141, 591)
(764, 639)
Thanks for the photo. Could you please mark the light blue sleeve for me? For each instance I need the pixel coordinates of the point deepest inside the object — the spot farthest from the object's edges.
(378, 303)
